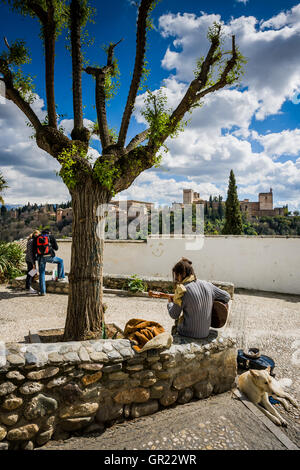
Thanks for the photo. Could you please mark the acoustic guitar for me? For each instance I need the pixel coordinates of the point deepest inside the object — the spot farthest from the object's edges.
(219, 310)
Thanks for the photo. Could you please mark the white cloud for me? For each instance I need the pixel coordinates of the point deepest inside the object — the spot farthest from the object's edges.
(30, 172)
(273, 68)
(281, 143)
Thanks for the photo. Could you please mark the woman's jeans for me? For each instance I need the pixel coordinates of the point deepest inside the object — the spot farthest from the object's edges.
(42, 268)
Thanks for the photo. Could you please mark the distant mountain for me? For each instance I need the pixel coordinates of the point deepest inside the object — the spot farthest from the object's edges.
(12, 206)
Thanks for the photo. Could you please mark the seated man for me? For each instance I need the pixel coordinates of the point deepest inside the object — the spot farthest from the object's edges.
(44, 246)
(195, 299)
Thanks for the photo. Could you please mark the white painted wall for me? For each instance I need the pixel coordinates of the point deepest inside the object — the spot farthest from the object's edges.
(263, 263)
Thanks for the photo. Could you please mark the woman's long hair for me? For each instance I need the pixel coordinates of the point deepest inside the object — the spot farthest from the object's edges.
(183, 268)
(35, 233)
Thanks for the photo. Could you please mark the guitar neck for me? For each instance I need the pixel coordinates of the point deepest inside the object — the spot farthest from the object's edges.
(158, 295)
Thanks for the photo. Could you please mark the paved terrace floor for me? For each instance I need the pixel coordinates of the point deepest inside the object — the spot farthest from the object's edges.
(268, 321)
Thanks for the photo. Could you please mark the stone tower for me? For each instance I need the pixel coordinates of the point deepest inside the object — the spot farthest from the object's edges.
(188, 196)
(266, 200)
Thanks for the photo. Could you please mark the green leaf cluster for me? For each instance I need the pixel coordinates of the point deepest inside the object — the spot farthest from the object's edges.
(106, 173)
(135, 284)
(69, 165)
(158, 115)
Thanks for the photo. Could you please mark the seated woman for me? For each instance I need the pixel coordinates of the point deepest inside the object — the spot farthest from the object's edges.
(193, 298)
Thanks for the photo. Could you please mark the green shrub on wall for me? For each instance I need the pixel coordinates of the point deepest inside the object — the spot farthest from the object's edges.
(11, 259)
(135, 284)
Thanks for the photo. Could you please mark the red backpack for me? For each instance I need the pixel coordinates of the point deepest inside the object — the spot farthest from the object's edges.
(43, 245)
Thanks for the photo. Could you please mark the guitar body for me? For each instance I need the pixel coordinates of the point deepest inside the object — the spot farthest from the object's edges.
(219, 310)
(219, 314)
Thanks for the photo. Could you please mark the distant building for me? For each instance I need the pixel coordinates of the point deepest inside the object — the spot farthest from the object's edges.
(263, 207)
(67, 214)
(64, 214)
(190, 197)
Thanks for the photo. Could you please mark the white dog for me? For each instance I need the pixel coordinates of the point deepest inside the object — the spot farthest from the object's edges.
(257, 385)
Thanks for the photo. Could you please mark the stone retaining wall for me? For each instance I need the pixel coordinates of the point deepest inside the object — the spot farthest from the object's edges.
(119, 282)
(48, 391)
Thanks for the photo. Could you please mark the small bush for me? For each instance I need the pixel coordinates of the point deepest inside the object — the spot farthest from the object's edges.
(11, 259)
(135, 284)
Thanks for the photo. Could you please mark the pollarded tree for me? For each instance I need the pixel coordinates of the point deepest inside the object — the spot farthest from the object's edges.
(91, 184)
(233, 217)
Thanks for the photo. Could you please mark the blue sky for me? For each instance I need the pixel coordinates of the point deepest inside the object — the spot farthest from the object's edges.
(254, 129)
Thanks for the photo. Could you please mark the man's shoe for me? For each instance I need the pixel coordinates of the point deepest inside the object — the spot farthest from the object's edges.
(61, 279)
(42, 293)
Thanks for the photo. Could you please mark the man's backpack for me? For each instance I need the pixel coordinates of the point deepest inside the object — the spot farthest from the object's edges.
(43, 245)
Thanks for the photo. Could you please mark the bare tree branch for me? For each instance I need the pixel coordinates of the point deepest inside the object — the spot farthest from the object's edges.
(46, 18)
(78, 132)
(14, 95)
(138, 68)
(194, 93)
(110, 52)
(137, 140)
(99, 74)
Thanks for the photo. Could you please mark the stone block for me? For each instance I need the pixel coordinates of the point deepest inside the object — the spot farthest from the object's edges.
(118, 376)
(203, 389)
(113, 368)
(70, 393)
(108, 411)
(6, 388)
(94, 367)
(44, 437)
(92, 378)
(185, 395)
(148, 382)
(40, 406)
(190, 378)
(158, 390)
(43, 373)
(58, 382)
(15, 375)
(169, 397)
(74, 424)
(135, 395)
(98, 357)
(3, 432)
(74, 411)
(23, 433)
(12, 403)
(144, 409)
(9, 418)
(16, 359)
(30, 388)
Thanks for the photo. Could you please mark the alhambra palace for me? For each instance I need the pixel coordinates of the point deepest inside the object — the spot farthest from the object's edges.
(263, 207)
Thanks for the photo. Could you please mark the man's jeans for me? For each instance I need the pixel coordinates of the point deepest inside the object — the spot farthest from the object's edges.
(42, 267)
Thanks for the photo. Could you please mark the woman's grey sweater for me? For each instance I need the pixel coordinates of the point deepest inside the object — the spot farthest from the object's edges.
(196, 305)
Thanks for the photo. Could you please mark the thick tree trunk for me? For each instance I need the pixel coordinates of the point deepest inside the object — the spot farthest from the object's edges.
(85, 310)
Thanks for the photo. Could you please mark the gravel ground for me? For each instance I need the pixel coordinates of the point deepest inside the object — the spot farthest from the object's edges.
(265, 320)
(21, 312)
(213, 424)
